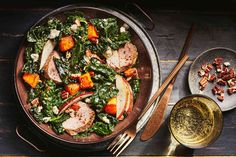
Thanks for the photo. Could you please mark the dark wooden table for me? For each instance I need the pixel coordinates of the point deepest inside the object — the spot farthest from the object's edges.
(214, 28)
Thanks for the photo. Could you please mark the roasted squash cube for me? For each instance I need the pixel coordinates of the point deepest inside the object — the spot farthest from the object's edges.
(92, 33)
(72, 88)
(86, 81)
(31, 79)
(66, 43)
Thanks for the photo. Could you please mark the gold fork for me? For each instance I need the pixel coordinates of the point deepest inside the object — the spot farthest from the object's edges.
(122, 141)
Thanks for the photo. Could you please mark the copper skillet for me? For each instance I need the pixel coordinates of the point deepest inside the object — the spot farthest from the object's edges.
(149, 70)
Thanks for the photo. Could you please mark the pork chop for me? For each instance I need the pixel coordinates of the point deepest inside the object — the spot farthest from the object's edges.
(83, 120)
(124, 58)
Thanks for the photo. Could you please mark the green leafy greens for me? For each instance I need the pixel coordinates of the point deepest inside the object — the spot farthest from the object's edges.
(30, 66)
(135, 85)
(71, 65)
(106, 71)
(110, 35)
(103, 93)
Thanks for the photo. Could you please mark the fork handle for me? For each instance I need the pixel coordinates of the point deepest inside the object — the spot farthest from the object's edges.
(157, 118)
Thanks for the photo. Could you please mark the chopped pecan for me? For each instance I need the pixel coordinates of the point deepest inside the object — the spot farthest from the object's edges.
(201, 72)
(219, 68)
(223, 74)
(221, 82)
(231, 72)
(225, 70)
(221, 97)
(231, 83)
(207, 75)
(219, 75)
(217, 90)
(203, 82)
(231, 90)
(212, 78)
(218, 61)
(226, 77)
(207, 68)
(204, 67)
(234, 80)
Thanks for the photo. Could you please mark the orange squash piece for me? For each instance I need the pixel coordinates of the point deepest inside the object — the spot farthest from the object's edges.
(72, 88)
(66, 43)
(110, 108)
(130, 72)
(92, 33)
(86, 81)
(31, 79)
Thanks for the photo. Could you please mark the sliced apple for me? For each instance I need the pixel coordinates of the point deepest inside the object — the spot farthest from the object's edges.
(130, 98)
(122, 96)
(47, 49)
(73, 100)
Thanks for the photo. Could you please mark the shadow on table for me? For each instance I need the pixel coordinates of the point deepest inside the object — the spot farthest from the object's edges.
(158, 145)
(162, 141)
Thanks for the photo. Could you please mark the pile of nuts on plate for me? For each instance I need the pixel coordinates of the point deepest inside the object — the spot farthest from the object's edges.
(222, 76)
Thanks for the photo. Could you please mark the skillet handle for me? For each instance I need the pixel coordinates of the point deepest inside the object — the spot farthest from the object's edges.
(151, 24)
(22, 131)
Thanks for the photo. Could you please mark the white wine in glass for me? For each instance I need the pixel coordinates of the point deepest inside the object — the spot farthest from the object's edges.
(195, 121)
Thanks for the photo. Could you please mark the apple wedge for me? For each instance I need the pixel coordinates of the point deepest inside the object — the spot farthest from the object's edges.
(47, 49)
(73, 100)
(50, 69)
(130, 98)
(122, 96)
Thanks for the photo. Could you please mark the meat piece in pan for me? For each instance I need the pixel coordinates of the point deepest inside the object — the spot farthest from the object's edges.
(82, 120)
(124, 58)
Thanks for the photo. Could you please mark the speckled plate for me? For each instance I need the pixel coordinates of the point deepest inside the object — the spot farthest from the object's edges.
(208, 56)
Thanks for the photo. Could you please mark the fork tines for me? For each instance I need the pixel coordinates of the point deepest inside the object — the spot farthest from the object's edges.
(120, 143)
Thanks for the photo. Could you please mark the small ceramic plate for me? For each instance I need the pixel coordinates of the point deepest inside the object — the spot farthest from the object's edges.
(208, 56)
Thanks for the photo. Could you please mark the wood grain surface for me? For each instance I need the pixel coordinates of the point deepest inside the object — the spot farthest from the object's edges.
(213, 28)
